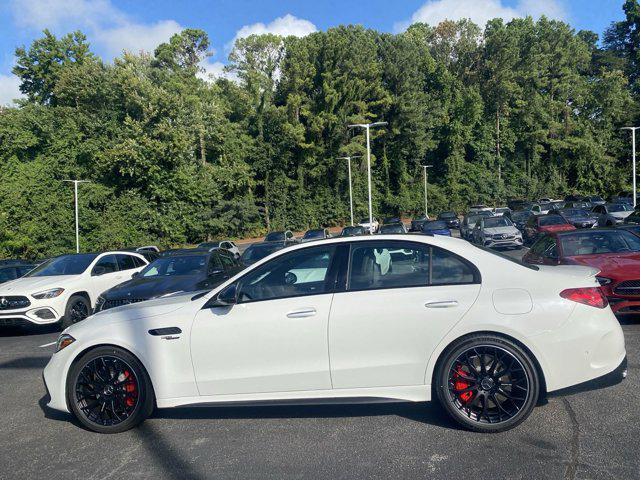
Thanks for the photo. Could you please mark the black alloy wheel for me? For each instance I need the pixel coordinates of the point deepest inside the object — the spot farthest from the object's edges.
(109, 391)
(78, 308)
(488, 384)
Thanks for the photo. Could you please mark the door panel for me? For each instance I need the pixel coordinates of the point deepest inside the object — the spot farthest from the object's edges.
(269, 346)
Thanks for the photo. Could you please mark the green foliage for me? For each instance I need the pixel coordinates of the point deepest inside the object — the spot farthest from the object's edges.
(518, 109)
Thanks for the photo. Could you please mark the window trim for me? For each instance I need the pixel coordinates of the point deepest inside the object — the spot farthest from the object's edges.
(345, 272)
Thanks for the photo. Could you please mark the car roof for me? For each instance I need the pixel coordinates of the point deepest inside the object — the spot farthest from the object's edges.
(189, 252)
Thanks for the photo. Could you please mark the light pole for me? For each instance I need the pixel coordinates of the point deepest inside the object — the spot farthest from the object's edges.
(633, 149)
(75, 197)
(426, 205)
(367, 127)
(348, 159)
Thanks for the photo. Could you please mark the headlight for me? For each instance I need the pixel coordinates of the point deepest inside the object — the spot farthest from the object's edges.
(53, 293)
(603, 280)
(64, 341)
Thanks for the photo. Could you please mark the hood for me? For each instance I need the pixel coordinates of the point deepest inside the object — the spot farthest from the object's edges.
(581, 218)
(136, 311)
(621, 214)
(612, 265)
(509, 230)
(29, 285)
(152, 287)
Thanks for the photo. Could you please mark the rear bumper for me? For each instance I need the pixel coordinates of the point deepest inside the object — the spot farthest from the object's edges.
(607, 380)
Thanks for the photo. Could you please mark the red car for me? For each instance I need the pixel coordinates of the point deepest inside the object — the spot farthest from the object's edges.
(615, 252)
(540, 224)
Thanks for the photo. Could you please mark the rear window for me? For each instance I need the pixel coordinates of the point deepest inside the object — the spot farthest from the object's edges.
(507, 257)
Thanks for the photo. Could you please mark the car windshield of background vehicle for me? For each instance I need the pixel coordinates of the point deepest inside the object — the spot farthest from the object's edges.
(552, 220)
(314, 234)
(353, 231)
(64, 265)
(599, 242)
(392, 229)
(274, 237)
(448, 215)
(255, 253)
(495, 222)
(437, 225)
(175, 266)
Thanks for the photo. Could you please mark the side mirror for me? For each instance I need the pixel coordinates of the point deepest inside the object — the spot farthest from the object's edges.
(98, 270)
(226, 297)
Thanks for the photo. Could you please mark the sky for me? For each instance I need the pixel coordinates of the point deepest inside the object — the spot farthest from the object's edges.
(134, 25)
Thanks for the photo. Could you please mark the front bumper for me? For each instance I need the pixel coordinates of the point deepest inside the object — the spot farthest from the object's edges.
(607, 380)
(33, 316)
(514, 242)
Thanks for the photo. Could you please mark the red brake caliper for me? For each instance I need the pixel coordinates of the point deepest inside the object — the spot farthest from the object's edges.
(460, 383)
(130, 388)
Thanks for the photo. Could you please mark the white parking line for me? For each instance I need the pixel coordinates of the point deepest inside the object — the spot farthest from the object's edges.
(47, 344)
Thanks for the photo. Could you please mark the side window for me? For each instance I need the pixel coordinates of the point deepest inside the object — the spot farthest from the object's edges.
(552, 250)
(540, 245)
(214, 264)
(7, 274)
(227, 262)
(107, 264)
(126, 262)
(138, 262)
(303, 272)
(225, 245)
(449, 269)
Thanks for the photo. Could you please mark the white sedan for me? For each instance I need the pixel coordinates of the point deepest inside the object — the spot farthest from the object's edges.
(65, 289)
(385, 318)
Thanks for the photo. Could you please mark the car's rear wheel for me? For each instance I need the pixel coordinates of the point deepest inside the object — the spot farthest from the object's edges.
(109, 391)
(78, 308)
(487, 383)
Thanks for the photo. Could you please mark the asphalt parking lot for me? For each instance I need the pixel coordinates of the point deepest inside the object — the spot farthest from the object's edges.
(588, 435)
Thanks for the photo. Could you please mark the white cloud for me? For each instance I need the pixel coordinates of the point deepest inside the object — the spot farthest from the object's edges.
(283, 26)
(213, 70)
(480, 11)
(106, 25)
(9, 89)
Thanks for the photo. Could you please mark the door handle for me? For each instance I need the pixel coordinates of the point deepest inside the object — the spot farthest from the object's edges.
(305, 312)
(443, 304)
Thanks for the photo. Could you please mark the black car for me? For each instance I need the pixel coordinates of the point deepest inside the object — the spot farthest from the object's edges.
(147, 252)
(634, 218)
(315, 234)
(388, 228)
(417, 223)
(392, 220)
(280, 236)
(520, 218)
(12, 269)
(258, 251)
(353, 231)
(578, 217)
(451, 218)
(185, 271)
(633, 228)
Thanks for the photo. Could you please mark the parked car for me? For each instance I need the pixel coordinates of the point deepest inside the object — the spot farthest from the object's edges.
(388, 228)
(315, 234)
(436, 227)
(497, 232)
(515, 204)
(539, 224)
(451, 218)
(386, 319)
(353, 231)
(615, 253)
(612, 214)
(258, 251)
(150, 253)
(281, 236)
(172, 251)
(623, 197)
(65, 289)
(578, 217)
(416, 223)
(633, 218)
(11, 269)
(595, 200)
(370, 227)
(469, 222)
(180, 272)
(479, 208)
(633, 228)
(520, 218)
(223, 244)
(532, 207)
(579, 204)
(389, 220)
(499, 211)
(556, 205)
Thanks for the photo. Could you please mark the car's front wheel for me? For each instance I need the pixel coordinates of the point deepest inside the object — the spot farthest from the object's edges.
(109, 391)
(487, 383)
(78, 308)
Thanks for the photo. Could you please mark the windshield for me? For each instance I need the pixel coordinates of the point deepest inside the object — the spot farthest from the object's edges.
(392, 229)
(437, 225)
(258, 252)
(596, 198)
(274, 237)
(64, 265)
(346, 231)
(497, 222)
(314, 234)
(598, 242)
(175, 266)
(620, 207)
(551, 220)
(448, 215)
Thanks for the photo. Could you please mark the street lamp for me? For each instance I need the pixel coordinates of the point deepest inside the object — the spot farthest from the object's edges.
(426, 205)
(75, 196)
(367, 126)
(633, 149)
(348, 159)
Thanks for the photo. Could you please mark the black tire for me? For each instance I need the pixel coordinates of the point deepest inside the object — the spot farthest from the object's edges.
(125, 397)
(484, 402)
(78, 308)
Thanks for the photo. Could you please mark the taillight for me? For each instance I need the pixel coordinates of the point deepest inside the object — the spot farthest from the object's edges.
(591, 296)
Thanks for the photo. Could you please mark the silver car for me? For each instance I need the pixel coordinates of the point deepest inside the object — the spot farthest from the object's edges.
(497, 232)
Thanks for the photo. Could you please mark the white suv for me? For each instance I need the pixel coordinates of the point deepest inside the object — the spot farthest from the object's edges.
(64, 289)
